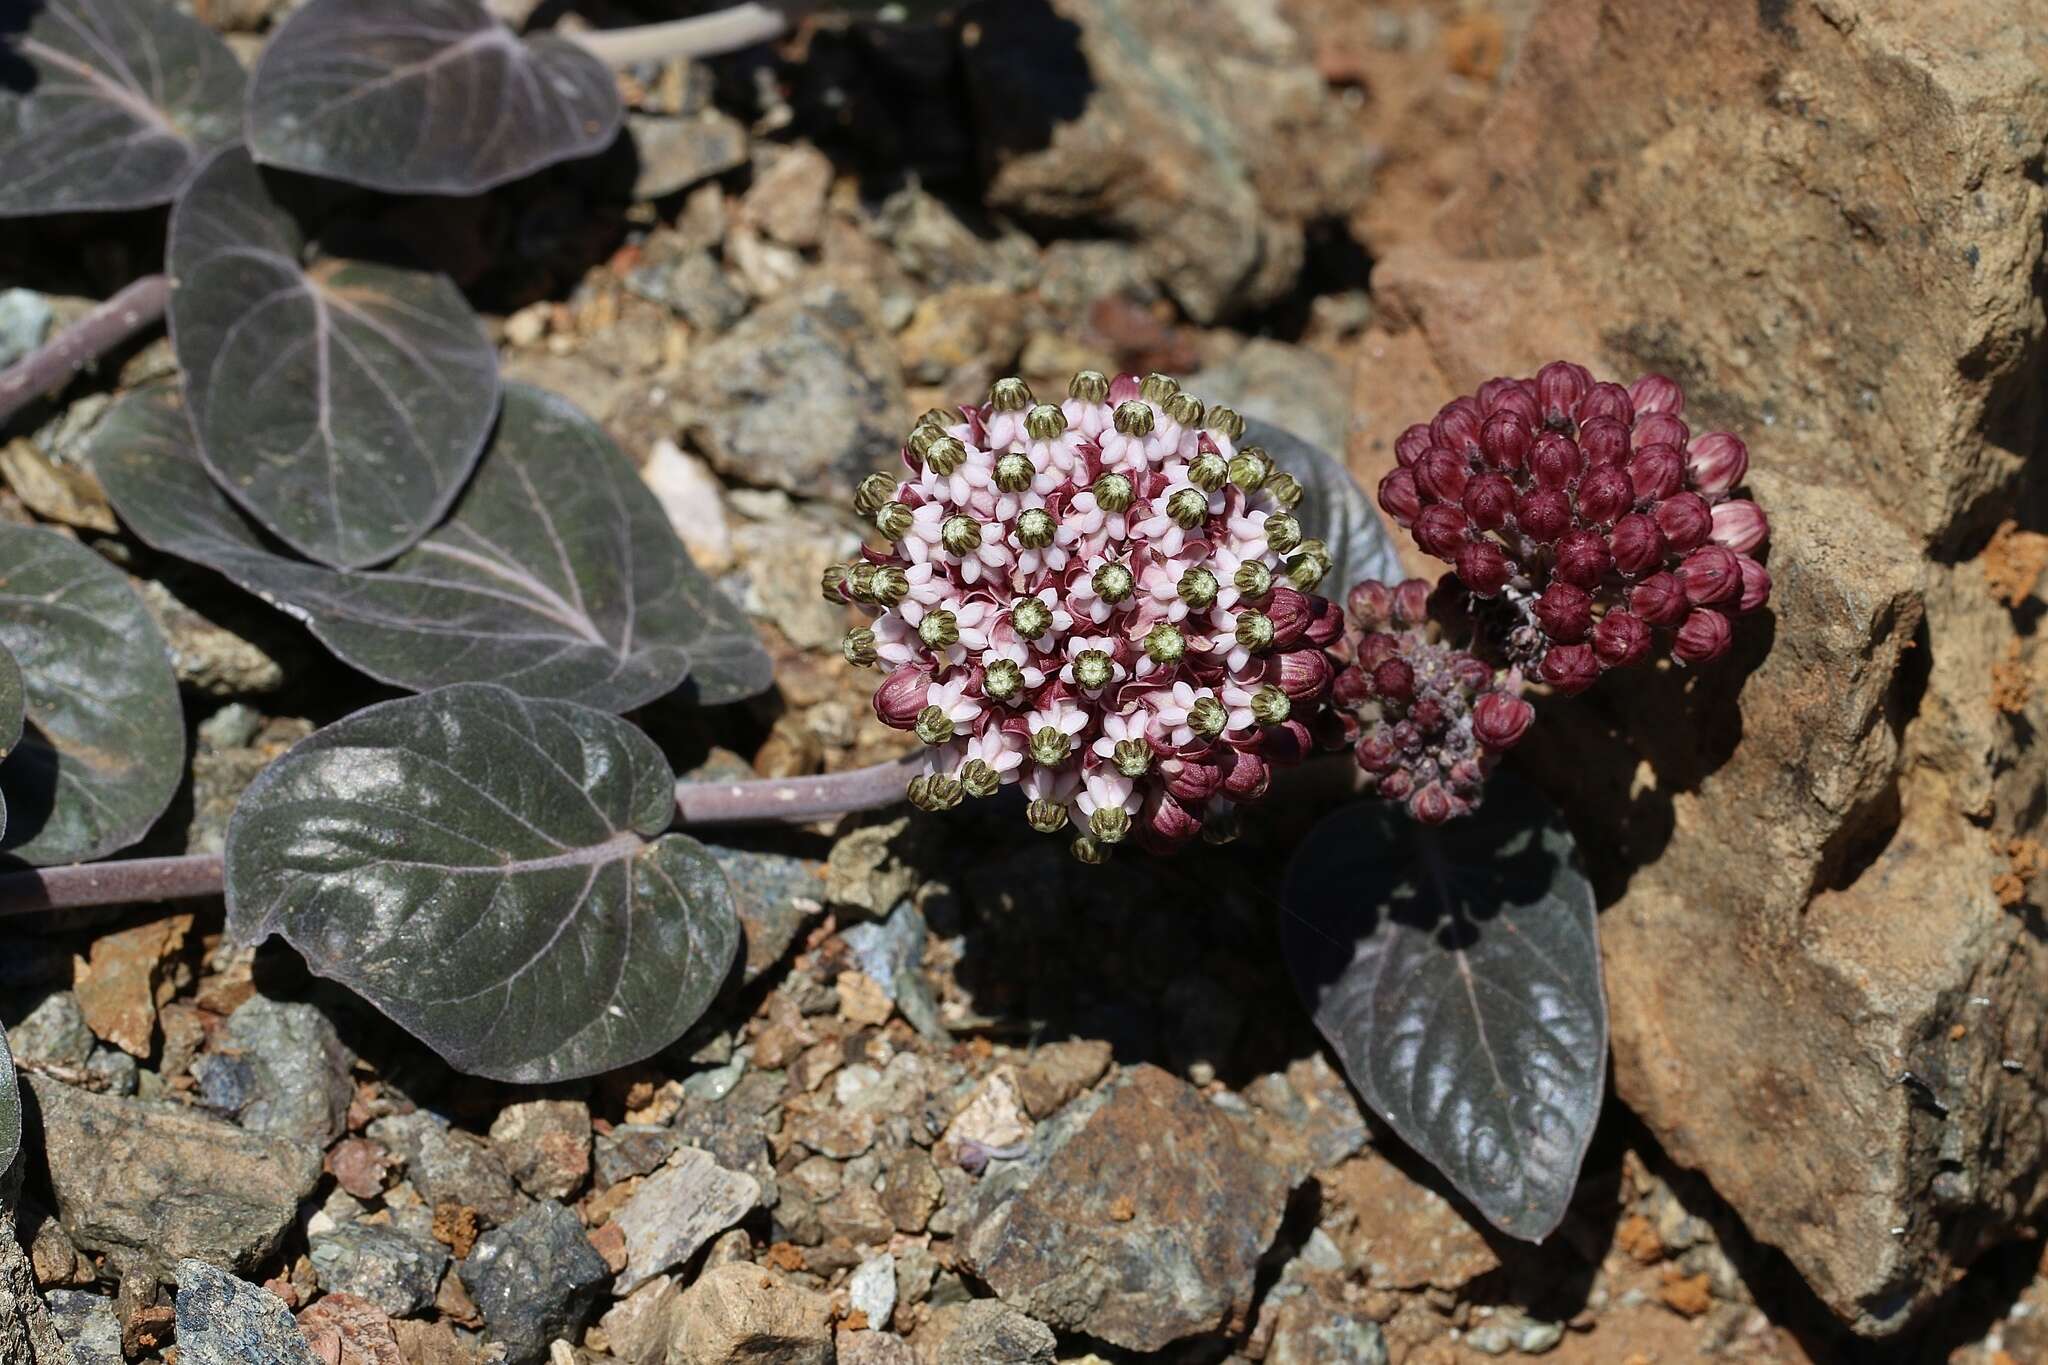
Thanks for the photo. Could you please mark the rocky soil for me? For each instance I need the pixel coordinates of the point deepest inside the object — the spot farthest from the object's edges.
(972, 1103)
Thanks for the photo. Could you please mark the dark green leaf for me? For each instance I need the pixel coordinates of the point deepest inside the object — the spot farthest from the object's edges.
(343, 404)
(10, 1111)
(108, 104)
(557, 576)
(1456, 971)
(12, 704)
(424, 97)
(1334, 508)
(103, 746)
(491, 872)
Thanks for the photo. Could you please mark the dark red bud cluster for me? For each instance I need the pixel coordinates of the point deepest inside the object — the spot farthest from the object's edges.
(1431, 720)
(1593, 510)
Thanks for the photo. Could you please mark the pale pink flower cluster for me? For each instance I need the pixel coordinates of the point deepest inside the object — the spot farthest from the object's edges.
(1105, 601)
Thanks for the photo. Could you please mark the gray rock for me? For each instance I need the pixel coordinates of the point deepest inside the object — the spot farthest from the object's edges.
(27, 1334)
(696, 286)
(296, 1083)
(113, 1071)
(633, 1149)
(936, 247)
(775, 896)
(637, 1326)
(678, 1209)
(448, 1166)
(88, 1325)
(534, 1279)
(891, 952)
(1312, 1330)
(25, 318)
(393, 1270)
(166, 1181)
(546, 1144)
(734, 1130)
(872, 1289)
(804, 395)
(54, 1032)
(676, 153)
(225, 1321)
(1290, 386)
(986, 1330)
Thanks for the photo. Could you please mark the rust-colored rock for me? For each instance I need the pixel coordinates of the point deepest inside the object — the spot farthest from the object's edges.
(1826, 222)
(125, 979)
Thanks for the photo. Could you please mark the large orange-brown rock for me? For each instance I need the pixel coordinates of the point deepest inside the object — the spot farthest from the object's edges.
(1824, 217)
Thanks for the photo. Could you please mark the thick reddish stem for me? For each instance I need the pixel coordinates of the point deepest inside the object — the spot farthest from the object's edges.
(59, 360)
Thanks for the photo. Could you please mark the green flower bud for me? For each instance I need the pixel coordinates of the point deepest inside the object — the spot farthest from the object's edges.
(1014, 472)
(1045, 423)
(922, 438)
(1255, 631)
(1035, 528)
(939, 629)
(1133, 757)
(1197, 588)
(1009, 395)
(1133, 418)
(1225, 422)
(945, 455)
(1283, 532)
(832, 583)
(1189, 508)
(1253, 579)
(859, 647)
(1047, 817)
(961, 535)
(1164, 644)
(1270, 705)
(1002, 680)
(934, 792)
(979, 779)
(1249, 468)
(1184, 408)
(1031, 618)
(1113, 493)
(1208, 471)
(1090, 386)
(1093, 668)
(941, 418)
(1112, 583)
(1157, 388)
(1207, 717)
(1310, 565)
(874, 490)
(1109, 824)
(1050, 746)
(934, 726)
(891, 584)
(893, 519)
(860, 580)
(1285, 488)
(1089, 851)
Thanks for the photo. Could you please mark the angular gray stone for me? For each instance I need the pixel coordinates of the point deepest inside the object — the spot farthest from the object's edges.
(25, 318)
(546, 1145)
(292, 1076)
(534, 1279)
(775, 897)
(449, 1166)
(677, 1210)
(88, 1325)
(676, 153)
(165, 1181)
(872, 1289)
(394, 1270)
(226, 1321)
(633, 1149)
(987, 1330)
(54, 1032)
(27, 1334)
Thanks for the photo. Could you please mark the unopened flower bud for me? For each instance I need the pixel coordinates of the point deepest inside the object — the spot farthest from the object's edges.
(1443, 475)
(1660, 429)
(1394, 679)
(934, 792)
(1506, 441)
(1489, 499)
(1411, 601)
(1636, 544)
(859, 647)
(890, 584)
(1270, 705)
(1565, 612)
(1169, 822)
(1604, 441)
(1158, 388)
(1605, 493)
(937, 418)
(921, 439)
(1164, 644)
(1132, 757)
(1756, 586)
(1050, 746)
(1113, 492)
(940, 629)
(1555, 461)
(1109, 824)
(1371, 603)
(1246, 776)
(894, 520)
(1457, 427)
(960, 535)
(1250, 468)
(978, 779)
(874, 490)
(1089, 850)
(1703, 638)
(1659, 599)
(1283, 533)
(1193, 780)
(832, 584)
(1208, 471)
(1225, 422)
(1654, 393)
(945, 455)
(1412, 444)
(1289, 611)
(1583, 558)
(1093, 669)
(1035, 528)
(901, 696)
(1559, 387)
(1285, 488)
(1500, 719)
(934, 726)
(1570, 668)
(1207, 717)
(1030, 618)
(1255, 631)
(1253, 579)
(1400, 497)
(1185, 409)
(1197, 587)
(1432, 805)
(1657, 472)
(1133, 418)
(1686, 521)
(1014, 472)
(1112, 583)
(1482, 567)
(1325, 621)
(1090, 386)
(1047, 817)
(1543, 515)
(860, 580)
(1188, 508)
(1606, 400)
(1621, 639)
(1009, 395)
(1045, 422)
(1717, 462)
(1712, 575)
(1303, 674)
(1002, 679)
(1740, 525)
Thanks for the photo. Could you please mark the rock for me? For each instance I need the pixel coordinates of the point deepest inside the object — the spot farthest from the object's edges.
(832, 1132)
(1292, 387)
(892, 952)
(1405, 1235)
(449, 1166)
(1057, 1072)
(992, 1117)
(87, 1323)
(350, 1331)
(433, 1343)
(787, 199)
(872, 1348)
(1310, 1330)
(633, 1149)
(54, 1032)
(546, 1145)
(775, 897)
(1139, 1216)
(1850, 795)
(25, 318)
(55, 491)
(637, 1326)
(748, 1313)
(695, 285)
(294, 1080)
(937, 247)
(1201, 132)
(678, 1209)
(676, 153)
(967, 333)
(167, 1182)
(224, 1321)
(871, 1289)
(863, 1001)
(534, 1279)
(985, 1330)
(804, 395)
(27, 1333)
(216, 658)
(397, 1272)
(124, 981)
(911, 1189)
(693, 500)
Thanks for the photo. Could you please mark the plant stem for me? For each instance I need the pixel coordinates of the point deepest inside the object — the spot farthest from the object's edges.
(194, 875)
(57, 361)
(706, 35)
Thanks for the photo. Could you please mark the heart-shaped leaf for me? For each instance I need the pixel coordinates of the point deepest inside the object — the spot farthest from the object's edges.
(557, 576)
(343, 404)
(10, 1111)
(103, 745)
(424, 97)
(1333, 508)
(108, 104)
(13, 705)
(490, 871)
(1456, 971)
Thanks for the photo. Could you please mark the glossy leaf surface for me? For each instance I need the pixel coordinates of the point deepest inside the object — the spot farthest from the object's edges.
(1456, 972)
(108, 104)
(103, 744)
(12, 704)
(424, 97)
(1334, 508)
(10, 1111)
(343, 404)
(490, 872)
(557, 576)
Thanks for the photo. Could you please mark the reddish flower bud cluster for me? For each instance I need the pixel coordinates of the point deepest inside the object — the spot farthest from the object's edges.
(1432, 720)
(1593, 511)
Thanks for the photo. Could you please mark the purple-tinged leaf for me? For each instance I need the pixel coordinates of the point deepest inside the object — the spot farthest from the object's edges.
(10, 1111)
(1456, 972)
(103, 744)
(490, 872)
(424, 97)
(556, 576)
(108, 104)
(342, 404)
